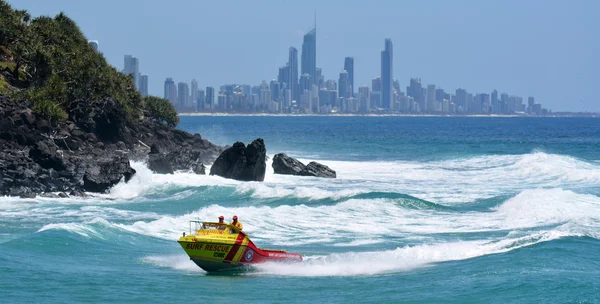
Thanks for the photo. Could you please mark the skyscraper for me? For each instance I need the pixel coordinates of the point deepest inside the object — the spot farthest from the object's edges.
(183, 95)
(171, 91)
(343, 83)
(495, 103)
(201, 101)
(309, 55)
(349, 67)
(387, 74)
(305, 83)
(293, 72)
(132, 67)
(364, 96)
(319, 78)
(194, 93)
(275, 89)
(415, 91)
(284, 75)
(144, 85)
(210, 98)
(431, 99)
(95, 44)
(375, 99)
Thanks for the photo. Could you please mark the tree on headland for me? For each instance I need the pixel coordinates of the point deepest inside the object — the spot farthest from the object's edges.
(161, 110)
(49, 61)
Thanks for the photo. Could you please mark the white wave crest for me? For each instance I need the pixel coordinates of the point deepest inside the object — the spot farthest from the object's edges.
(400, 259)
(448, 181)
(177, 262)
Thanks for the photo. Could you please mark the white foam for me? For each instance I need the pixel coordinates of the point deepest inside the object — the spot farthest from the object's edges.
(178, 262)
(400, 259)
(447, 182)
(363, 220)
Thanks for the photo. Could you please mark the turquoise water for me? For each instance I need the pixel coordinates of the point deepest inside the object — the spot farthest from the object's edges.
(425, 209)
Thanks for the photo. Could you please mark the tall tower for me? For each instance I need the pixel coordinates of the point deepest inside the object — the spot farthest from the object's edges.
(349, 67)
(144, 85)
(132, 67)
(309, 55)
(194, 93)
(387, 74)
(171, 91)
(293, 72)
(343, 85)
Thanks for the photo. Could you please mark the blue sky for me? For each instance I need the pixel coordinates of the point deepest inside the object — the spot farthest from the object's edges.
(544, 48)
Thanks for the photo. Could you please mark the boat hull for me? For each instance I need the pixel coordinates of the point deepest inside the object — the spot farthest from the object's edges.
(227, 250)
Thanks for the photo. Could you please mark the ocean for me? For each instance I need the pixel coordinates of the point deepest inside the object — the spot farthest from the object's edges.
(424, 209)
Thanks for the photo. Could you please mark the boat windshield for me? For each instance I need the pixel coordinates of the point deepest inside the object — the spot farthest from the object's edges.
(214, 226)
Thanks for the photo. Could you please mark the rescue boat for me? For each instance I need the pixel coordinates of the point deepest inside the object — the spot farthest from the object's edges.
(221, 247)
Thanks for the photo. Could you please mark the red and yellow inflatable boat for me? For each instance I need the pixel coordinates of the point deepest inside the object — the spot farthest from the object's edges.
(220, 247)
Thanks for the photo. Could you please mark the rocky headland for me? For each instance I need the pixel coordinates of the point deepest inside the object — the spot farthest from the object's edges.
(77, 155)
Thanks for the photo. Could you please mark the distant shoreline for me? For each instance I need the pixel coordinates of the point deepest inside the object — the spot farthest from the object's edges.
(595, 115)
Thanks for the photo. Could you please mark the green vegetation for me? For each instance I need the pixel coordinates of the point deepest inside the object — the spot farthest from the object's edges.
(161, 110)
(50, 110)
(49, 61)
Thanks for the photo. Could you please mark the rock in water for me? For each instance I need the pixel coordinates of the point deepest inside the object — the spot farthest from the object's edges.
(105, 173)
(318, 170)
(182, 159)
(241, 162)
(283, 164)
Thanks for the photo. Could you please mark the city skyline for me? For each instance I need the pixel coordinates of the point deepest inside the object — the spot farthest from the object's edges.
(314, 95)
(481, 46)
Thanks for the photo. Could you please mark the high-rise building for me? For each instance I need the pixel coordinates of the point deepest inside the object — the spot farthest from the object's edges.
(431, 99)
(132, 67)
(171, 91)
(376, 93)
(200, 103)
(343, 83)
(319, 81)
(95, 44)
(305, 83)
(530, 103)
(461, 100)
(194, 93)
(284, 75)
(349, 67)
(364, 98)
(209, 100)
(309, 55)
(293, 72)
(415, 91)
(144, 85)
(495, 103)
(387, 74)
(183, 95)
(275, 89)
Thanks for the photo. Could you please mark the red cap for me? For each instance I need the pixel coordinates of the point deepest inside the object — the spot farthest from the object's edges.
(235, 217)
(221, 217)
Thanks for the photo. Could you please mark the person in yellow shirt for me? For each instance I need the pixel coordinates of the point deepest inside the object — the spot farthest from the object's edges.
(237, 223)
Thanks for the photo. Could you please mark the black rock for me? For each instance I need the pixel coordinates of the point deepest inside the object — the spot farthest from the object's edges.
(159, 163)
(62, 195)
(318, 170)
(242, 163)
(283, 164)
(199, 168)
(78, 193)
(102, 174)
